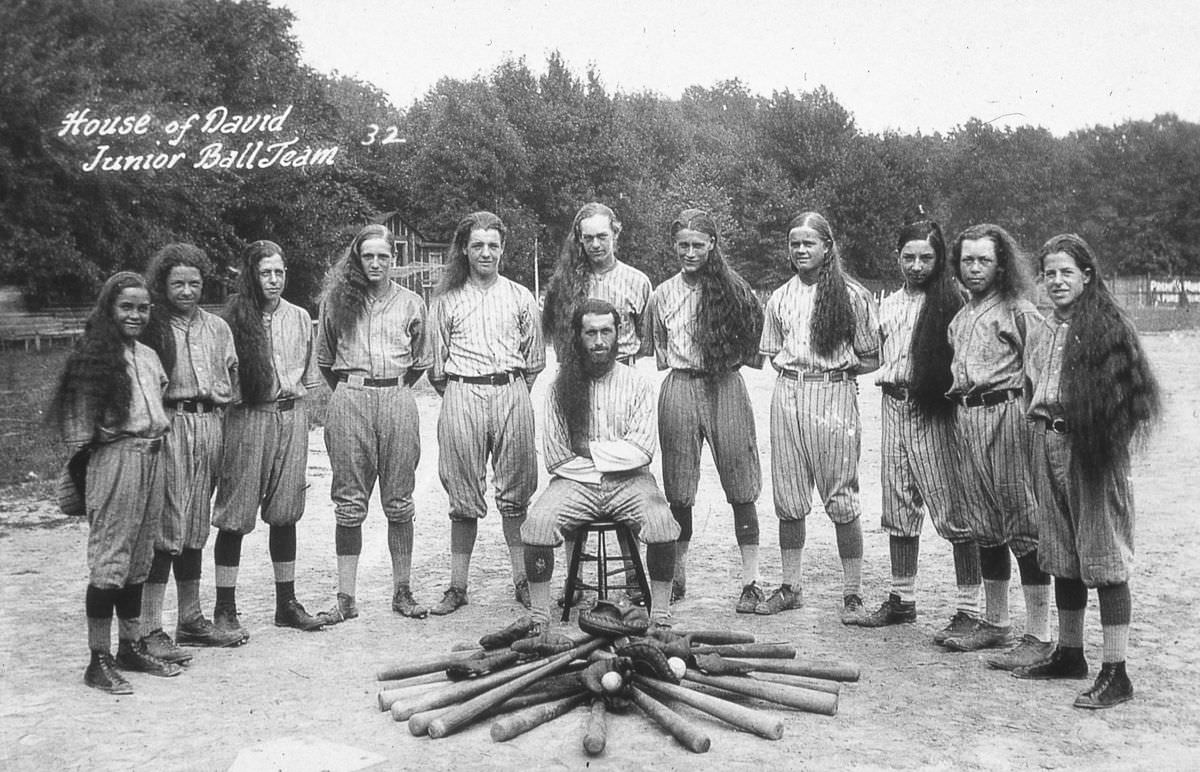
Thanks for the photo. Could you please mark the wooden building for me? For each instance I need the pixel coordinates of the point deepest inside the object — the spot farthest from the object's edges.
(419, 262)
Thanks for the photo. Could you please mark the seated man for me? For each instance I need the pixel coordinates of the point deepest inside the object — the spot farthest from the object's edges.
(600, 437)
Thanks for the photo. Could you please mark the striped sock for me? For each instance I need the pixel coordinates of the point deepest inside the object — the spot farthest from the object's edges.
(1037, 610)
(995, 594)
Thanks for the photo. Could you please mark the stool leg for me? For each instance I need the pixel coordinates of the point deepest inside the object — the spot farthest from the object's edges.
(573, 574)
(633, 555)
(601, 564)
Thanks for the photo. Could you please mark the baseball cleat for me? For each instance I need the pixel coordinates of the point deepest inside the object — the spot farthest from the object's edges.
(852, 609)
(1112, 687)
(225, 619)
(1064, 662)
(201, 632)
(784, 598)
(751, 596)
(985, 636)
(1029, 651)
(132, 656)
(960, 624)
(102, 674)
(292, 614)
(452, 600)
(159, 644)
(404, 604)
(892, 611)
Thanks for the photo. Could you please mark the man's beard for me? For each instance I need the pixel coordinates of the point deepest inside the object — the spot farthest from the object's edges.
(597, 369)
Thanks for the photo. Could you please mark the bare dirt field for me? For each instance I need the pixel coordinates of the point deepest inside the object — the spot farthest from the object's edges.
(916, 706)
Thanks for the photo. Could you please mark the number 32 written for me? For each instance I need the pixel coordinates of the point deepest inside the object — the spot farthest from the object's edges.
(391, 135)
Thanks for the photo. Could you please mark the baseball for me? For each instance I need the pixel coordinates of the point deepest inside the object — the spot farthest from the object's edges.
(612, 681)
(678, 666)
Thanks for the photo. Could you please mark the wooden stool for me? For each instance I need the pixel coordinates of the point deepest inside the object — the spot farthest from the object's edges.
(602, 559)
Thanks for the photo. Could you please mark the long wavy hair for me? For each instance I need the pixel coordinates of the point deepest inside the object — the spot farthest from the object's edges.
(459, 268)
(345, 292)
(243, 312)
(931, 352)
(157, 334)
(1110, 397)
(730, 320)
(1013, 279)
(568, 287)
(95, 379)
(571, 386)
(833, 316)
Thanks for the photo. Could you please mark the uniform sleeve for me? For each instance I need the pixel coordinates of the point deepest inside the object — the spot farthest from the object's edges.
(312, 374)
(641, 297)
(866, 323)
(326, 338)
(418, 338)
(771, 342)
(656, 331)
(533, 344)
(437, 339)
(231, 362)
(78, 426)
(556, 442)
(636, 447)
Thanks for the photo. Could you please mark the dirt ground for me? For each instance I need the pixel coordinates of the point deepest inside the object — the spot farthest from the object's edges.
(916, 706)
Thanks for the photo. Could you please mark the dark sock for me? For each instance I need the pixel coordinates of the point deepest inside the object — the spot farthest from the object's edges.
(849, 539)
(745, 524)
(904, 551)
(227, 550)
(995, 563)
(1070, 594)
(1031, 572)
(792, 534)
(226, 596)
(1116, 605)
(281, 543)
(129, 601)
(99, 602)
(188, 565)
(284, 591)
(539, 563)
(660, 561)
(160, 567)
(966, 563)
(683, 516)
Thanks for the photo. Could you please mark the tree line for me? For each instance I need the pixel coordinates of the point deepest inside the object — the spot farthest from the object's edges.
(531, 145)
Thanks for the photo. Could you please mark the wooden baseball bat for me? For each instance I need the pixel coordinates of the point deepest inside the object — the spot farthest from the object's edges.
(802, 682)
(421, 667)
(717, 637)
(685, 732)
(761, 650)
(458, 691)
(465, 713)
(426, 678)
(803, 699)
(595, 736)
(389, 697)
(547, 689)
(740, 716)
(519, 723)
(831, 671)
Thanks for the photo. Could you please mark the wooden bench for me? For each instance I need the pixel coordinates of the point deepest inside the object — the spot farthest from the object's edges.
(34, 329)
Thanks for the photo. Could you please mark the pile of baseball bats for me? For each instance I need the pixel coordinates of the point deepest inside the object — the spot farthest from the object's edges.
(727, 675)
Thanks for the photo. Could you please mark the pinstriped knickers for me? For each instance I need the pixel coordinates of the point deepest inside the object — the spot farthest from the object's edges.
(631, 498)
(478, 420)
(124, 497)
(815, 440)
(372, 434)
(920, 472)
(264, 463)
(996, 476)
(717, 409)
(191, 461)
(1084, 532)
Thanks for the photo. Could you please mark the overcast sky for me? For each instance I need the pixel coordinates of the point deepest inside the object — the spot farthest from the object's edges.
(906, 65)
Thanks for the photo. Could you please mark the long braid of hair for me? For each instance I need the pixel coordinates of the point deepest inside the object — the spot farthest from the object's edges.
(243, 312)
(345, 292)
(833, 314)
(568, 287)
(931, 353)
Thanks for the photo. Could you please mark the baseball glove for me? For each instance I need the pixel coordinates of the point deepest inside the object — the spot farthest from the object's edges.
(608, 620)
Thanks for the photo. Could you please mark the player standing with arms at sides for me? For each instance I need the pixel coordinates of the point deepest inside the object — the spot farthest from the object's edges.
(588, 268)
(821, 331)
(599, 442)
(485, 339)
(197, 352)
(989, 337)
(704, 323)
(266, 435)
(919, 467)
(371, 349)
(108, 405)
(1093, 395)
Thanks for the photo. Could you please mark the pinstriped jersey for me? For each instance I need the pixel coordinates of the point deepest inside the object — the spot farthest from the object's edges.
(484, 330)
(898, 313)
(1044, 366)
(289, 334)
(387, 340)
(147, 418)
(787, 329)
(672, 311)
(622, 430)
(628, 289)
(989, 344)
(205, 359)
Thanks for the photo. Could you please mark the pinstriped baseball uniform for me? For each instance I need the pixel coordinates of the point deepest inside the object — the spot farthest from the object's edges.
(477, 332)
(628, 289)
(815, 428)
(1085, 530)
(266, 445)
(919, 453)
(989, 348)
(615, 483)
(124, 492)
(373, 432)
(205, 372)
(694, 407)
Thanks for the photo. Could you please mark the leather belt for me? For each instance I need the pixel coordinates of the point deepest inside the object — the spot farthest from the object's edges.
(988, 398)
(628, 359)
(1056, 425)
(358, 380)
(899, 393)
(284, 405)
(191, 405)
(491, 379)
(142, 444)
(825, 376)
